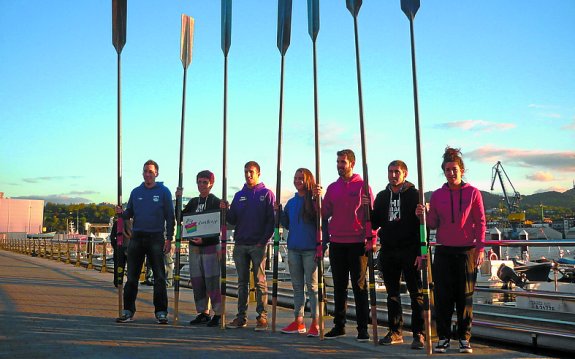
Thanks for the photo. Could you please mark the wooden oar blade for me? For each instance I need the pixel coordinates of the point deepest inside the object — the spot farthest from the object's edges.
(313, 18)
(186, 40)
(119, 16)
(353, 6)
(409, 8)
(284, 25)
(226, 26)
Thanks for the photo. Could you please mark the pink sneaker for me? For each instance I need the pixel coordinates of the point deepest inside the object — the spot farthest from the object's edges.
(313, 331)
(293, 328)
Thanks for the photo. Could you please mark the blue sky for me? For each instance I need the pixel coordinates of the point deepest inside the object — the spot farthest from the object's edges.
(495, 78)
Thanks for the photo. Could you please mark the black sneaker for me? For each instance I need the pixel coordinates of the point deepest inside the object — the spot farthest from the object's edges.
(465, 347)
(335, 332)
(362, 335)
(442, 346)
(215, 321)
(418, 341)
(162, 317)
(391, 338)
(127, 316)
(202, 318)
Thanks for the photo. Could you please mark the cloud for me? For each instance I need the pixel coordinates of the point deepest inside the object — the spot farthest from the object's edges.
(57, 198)
(535, 105)
(541, 176)
(570, 127)
(551, 115)
(48, 178)
(563, 161)
(77, 193)
(476, 125)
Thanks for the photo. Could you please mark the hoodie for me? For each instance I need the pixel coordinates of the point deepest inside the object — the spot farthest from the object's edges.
(252, 213)
(458, 216)
(198, 205)
(342, 203)
(302, 234)
(152, 210)
(398, 227)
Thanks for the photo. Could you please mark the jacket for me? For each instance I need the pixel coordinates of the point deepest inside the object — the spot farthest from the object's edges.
(302, 234)
(458, 216)
(342, 206)
(252, 214)
(212, 203)
(400, 228)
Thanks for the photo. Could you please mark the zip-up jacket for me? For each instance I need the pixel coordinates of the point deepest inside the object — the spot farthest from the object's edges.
(212, 203)
(302, 234)
(152, 210)
(252, 213)
(458, 216)
(342, 205)
(400, 227)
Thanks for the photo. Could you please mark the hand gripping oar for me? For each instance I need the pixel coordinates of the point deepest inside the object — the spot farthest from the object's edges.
(313, 30)
(283, 40)
(226, 42)
(410, 7)
(119, 11)
(186, 42)
(353, 6)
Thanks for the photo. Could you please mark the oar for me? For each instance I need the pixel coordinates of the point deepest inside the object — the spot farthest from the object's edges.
(186, 42)
(119, 11)
(353, 6)
(283, 40)
(226, 42)
(313, 30)
(410, 7)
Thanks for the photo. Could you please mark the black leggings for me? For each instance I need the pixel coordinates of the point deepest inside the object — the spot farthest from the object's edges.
(454, 276)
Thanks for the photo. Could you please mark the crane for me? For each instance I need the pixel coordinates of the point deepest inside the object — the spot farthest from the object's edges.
(515, 216)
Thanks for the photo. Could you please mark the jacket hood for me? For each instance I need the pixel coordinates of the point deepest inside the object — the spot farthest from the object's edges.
(255, 188)
(463, 185)
(406, 185)
(354, 178)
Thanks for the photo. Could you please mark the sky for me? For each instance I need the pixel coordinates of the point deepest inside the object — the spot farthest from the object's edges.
(495, 79)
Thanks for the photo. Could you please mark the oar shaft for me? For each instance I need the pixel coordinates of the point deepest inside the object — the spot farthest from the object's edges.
(366, 207)
(120, 224)
(224, 228)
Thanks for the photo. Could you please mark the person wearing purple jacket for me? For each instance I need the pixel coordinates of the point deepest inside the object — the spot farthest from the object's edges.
(252, 214)
(456, 211)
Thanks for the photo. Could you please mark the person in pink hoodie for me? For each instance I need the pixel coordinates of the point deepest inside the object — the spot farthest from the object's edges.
(343, 207)
(456, 212)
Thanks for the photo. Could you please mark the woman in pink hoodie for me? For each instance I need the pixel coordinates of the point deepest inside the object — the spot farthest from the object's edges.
(456, 211)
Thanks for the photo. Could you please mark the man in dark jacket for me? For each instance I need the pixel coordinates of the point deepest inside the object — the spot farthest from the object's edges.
(394, 214)
(252, 213)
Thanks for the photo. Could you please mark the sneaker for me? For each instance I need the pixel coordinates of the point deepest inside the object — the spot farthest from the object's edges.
(293, 328)
(335, 332)
(362, 335)
(313, 330)
(262, 325)
(465, 347)
(441, 346)
(202, 318)
(215, 321)
(391, 338)
(417, 342)
(237, 323)
(162, 318)
(127, 316)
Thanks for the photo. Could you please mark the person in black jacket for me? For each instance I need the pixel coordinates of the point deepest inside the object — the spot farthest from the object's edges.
(394, 214)
(204, 256)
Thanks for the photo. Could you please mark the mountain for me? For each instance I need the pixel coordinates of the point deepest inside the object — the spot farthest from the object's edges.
(548, 199)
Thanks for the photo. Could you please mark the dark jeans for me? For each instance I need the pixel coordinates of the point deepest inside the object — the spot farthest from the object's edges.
(152, 246)
(393, 262)
(349, 261)
(454, 276)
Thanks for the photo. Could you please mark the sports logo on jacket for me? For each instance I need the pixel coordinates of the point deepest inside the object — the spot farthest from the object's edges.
(262, 198)
(156, 198)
